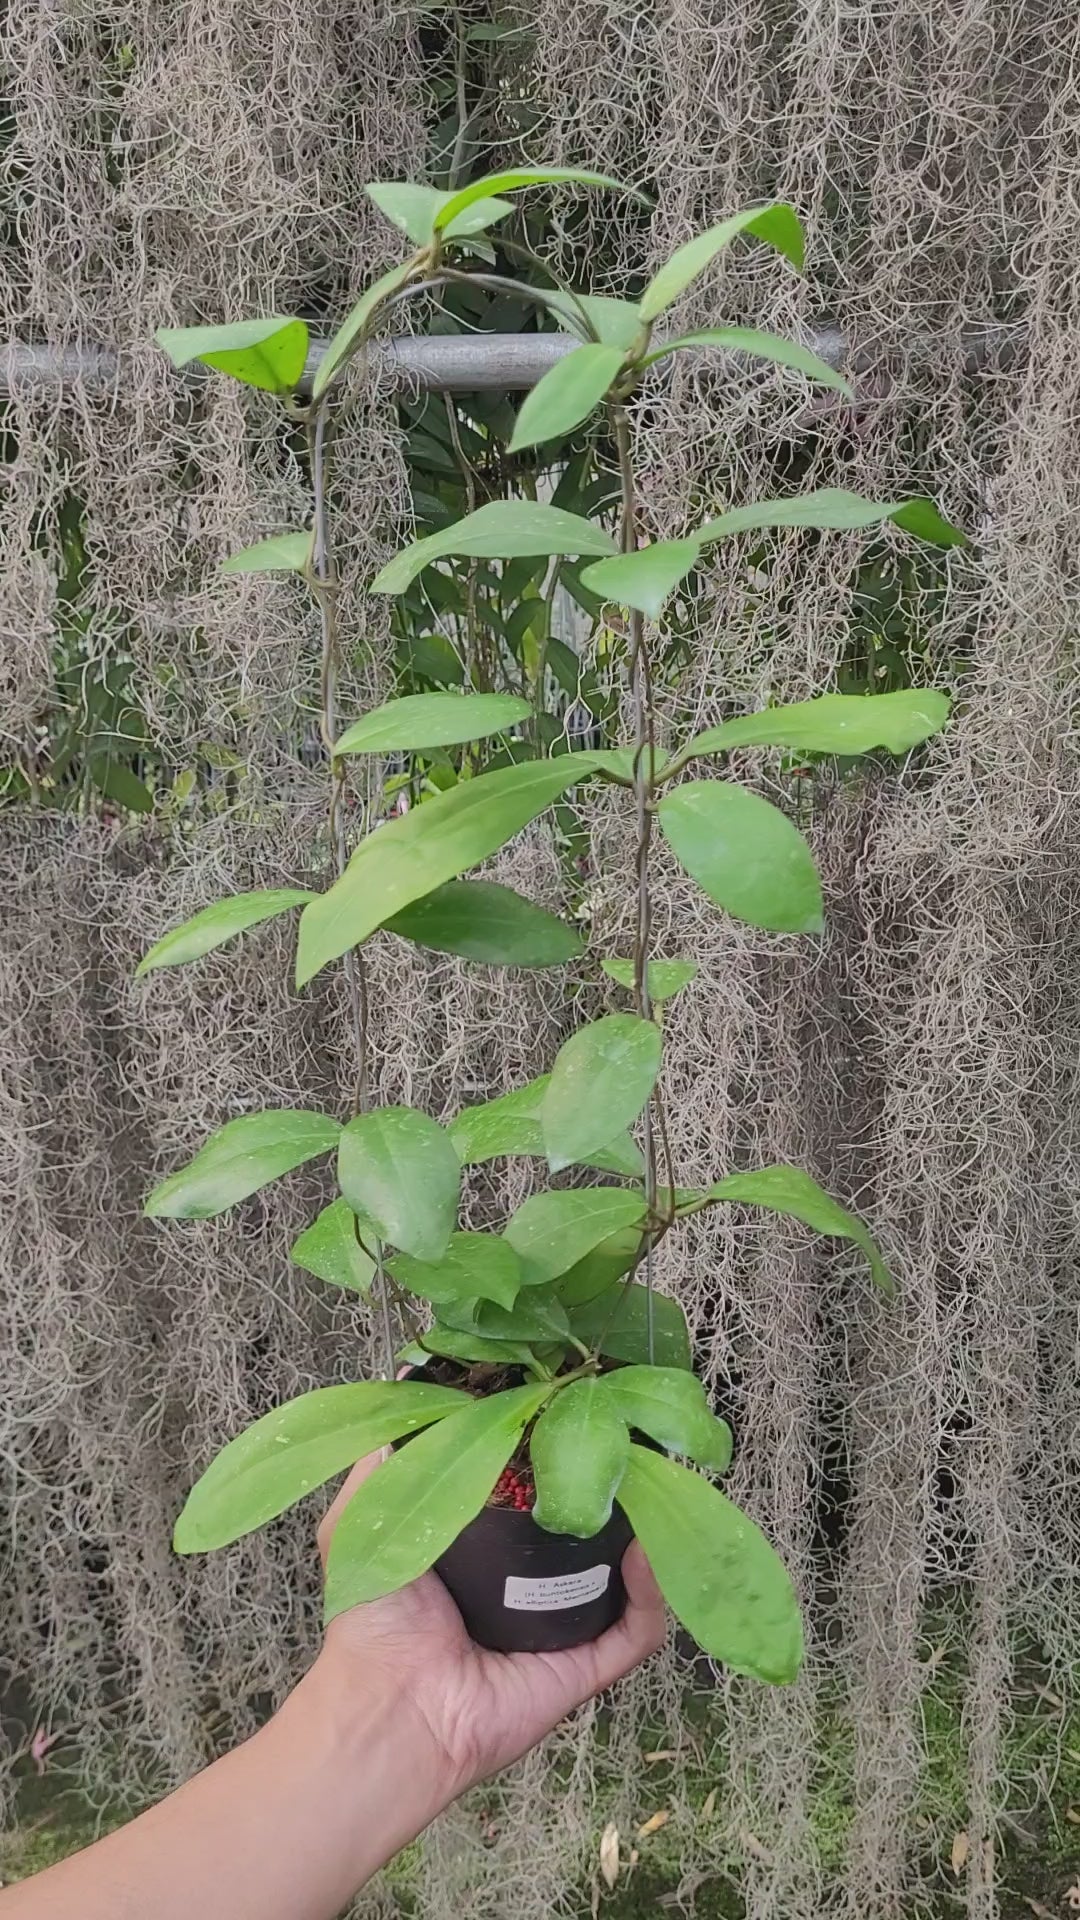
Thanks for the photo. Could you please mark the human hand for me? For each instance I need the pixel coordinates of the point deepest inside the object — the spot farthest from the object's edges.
(480, 1710)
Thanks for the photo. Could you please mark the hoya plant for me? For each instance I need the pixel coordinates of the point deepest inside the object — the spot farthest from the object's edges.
(548, 1404)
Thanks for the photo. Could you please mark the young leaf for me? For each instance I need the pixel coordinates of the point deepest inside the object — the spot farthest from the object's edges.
(331, 1251)
(282, 553)
(408, 857)
(432, 720)
(464, 200)
(214, 925)
(579, 1448)
(762, 346)
(398, 1523)
(618, 762)
(511, 1124)
(414, 210)
(646, 578)
(270, 354)
(833, 509)
(789, 1190)
(600, 1082)
(499, 530)
(617, 1322)
(844, 723)
(535, 1317)
(778, 225)
(475, 1265)
(665, 977)
(714, 1567)
(471, 1348)
(744, 853)
(599, 1269)
(489, 923)
(566, 395)
(240, 1158)
(616, 323)
(355, 322)
(553, 1231)
(298, 1447)
(399, 1168)
(669, 1405)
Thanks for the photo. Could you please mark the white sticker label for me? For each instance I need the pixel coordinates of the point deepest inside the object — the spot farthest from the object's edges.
(564, 1590)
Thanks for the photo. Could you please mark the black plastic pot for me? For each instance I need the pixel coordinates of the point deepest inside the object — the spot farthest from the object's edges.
(520, 1589)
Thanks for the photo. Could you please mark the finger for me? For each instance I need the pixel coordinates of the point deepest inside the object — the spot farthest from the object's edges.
(362, 1471)
(642, 1630)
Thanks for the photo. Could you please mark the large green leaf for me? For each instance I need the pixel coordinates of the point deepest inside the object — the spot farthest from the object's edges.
(669, 1404)
(646, 578)
(499, 530)
(456, 205)
(715, 1568)
(760, 346)
(432, 720)
(553, 1231)
(407, 858)
(475, 1265)
(469, 1348)
(269, 353)
(665, 977)
(789, 1190)
(745, 854)
(298, 1447)
(282, 553)
(240, 1158)
(214, 925)
(331, 1251)
(399, 1168)
(536, 1316)
(835, 723)
(778, 225)
(596, 1272)
(353, 325)
(414, 209)
(602, 1078)
(511, 1124)
(617, 1323)
(566, 395)
(398, 1523)
(579, 1448)
(832, 508)
(487, 922)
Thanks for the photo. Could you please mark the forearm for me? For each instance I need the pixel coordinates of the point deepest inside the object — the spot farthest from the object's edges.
(285, 1828)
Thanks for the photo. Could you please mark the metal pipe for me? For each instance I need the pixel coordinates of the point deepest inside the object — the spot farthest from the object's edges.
(476, 362)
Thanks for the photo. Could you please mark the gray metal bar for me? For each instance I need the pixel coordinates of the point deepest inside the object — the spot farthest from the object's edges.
(475, 362)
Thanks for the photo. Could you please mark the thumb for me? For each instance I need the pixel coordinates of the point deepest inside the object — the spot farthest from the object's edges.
(362, 1471)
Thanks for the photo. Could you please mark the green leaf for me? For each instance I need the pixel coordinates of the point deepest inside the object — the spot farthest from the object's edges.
(619, 761)
(298, 1447)
(282, 553)
(789, 1190)
(617, 1323)
(669, 1405)
(331, 1251)
(645, 578)
(408, 857)
(270, 354)
(469, 1348)
(465, 199)
(834, 509)
(665, 977)
(399, 1168)
(714, 1567)
(777, 224)
(499, 530)
(553, 1231)
(535, 1316)
(599, 1269)
(487, 922)
(240, 1158)
(744, 853)
(762, 346)
(566, 395)
(353, 325)
(117, 782)
(617, 323)
(214, 925)
(511, 1124)
(601, 1080)
(844, 723)
(417, 1502)
(432, 720)
(579, 1448)
(414, 210)
(475, 1265)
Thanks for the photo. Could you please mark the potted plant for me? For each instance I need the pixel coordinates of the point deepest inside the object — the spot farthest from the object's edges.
(549, 1407)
